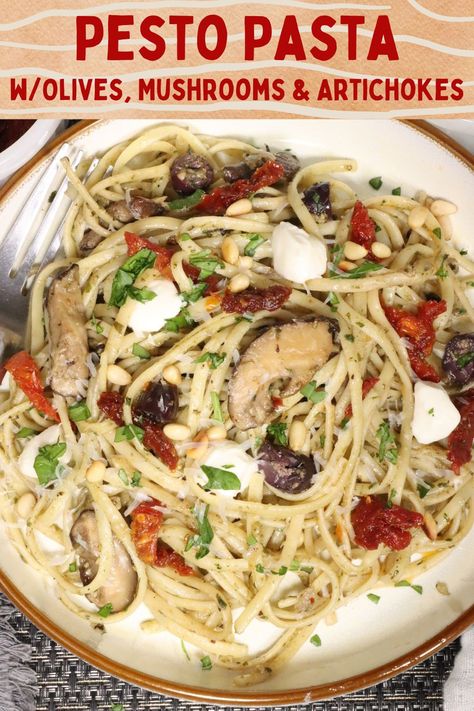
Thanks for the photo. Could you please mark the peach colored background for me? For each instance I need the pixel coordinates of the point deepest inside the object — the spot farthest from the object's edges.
(435, 38)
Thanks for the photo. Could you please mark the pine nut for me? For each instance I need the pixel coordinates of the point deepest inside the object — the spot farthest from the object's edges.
(417, 217)
(347, 266)
(239, 208)
(96, 472)
(216, 432)
(25, 504)
(354, 251)
(245, 262)
(297, 435)
(118, 376)
(201, 446)
(430, 524)
(177, 432)
(381, 250)
(442, 207)
(239, 282)
(230, 251)
(172, 375)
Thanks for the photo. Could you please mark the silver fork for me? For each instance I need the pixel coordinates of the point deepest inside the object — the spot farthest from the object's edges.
(32, 241)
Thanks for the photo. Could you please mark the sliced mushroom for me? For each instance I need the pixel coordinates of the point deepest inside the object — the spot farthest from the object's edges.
(68, 334)
(89, 241)
(134, 207)
(284, 356)
(119, 590)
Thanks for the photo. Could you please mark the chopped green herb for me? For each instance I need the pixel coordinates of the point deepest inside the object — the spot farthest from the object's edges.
(333, 301)
(206, 664)
(307, 568)
(194, 294)
(185, 651)
(322, 440)
(207, 263)
(117, 707)
(254, 242)
(52, 196)
(26, 432)
(251, 540)
(337, 254)
(418, 589)
(221, 603)
(79, 412)
(205, 533)
(316, 640)
(390, 498)
(376, 183)
(278, 432)
(97, 325)
(437, 232)
(72, 568)
(358, 272)
(47, 461)
(140, 352)
(105, 610)
(442, 272)
(374, 598)
(349, 337)
(463, 252)
(282, 570)
(182, 320)
(216, 407)
(128, 272)
(309, 391)
(294, 565)
(259, 568)
(396, 191)
(387, 447)
(344, 422)
(136, 479)
(465, 359)
(184, 237)
(406, 584)
(377, 227)
(122, 475)
(214, 359)
(431, 411)
(128, 432)
(186, 202)
(220, 478)
(423, 489)
(142, 295)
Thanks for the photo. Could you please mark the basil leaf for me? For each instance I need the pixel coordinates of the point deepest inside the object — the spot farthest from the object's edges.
(423, 489)
(396, 191)
(140, 352)
(182, 320)
(128, 432)
(387, 447)
(358, 272)
(310, 392)
(278, 432)
(337, 253)
(142, 295)
(79, 411)
(186, 202)
(220, 478)
(47, 460)
(216, 408)
(215, 359)
(333, 301)
(207, 263)
(194, 294)
(254, 242)
(26, 432)
(204, 536)
(128, 272)
(376, 183)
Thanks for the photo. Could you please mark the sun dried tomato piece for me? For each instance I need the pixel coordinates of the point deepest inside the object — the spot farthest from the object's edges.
(362, 228)
(25, 372)
(367, 385)
(111, 404)
(418, 328)
(217, 201)
(252, 299)
(161, 445)
(374, 523)
(163, 254)
(461, 439)
(214, 282)
(167, 557)
(146, 524)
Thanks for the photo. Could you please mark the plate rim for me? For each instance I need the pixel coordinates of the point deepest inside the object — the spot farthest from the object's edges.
(306, 694)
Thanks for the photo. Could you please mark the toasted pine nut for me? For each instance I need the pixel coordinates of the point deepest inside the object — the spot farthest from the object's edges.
(297, 435)
(430, 524)
(381, 250)
(239, 282)
(172, 375)
(347, 266)
(201, 446)
(245, 262)
(118, 375)
(96, 472)
(417, 217)
(230, 251)
(177, 432)
(239, 208)
(442, 207)
(354, 251)
(216, 432)
(25, 504)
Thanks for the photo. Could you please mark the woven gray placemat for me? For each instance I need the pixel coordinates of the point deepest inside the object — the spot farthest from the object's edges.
(66, 683)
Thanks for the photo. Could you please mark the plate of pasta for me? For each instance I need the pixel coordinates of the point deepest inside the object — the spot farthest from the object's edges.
(235, 450)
